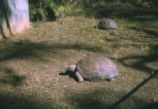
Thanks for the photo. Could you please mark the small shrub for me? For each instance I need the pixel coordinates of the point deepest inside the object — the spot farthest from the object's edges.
(46, 9)
(38, 14)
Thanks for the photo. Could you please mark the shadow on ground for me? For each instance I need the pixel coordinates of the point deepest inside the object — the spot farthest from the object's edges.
(142, 60)
(8, 76)
(102, 98)
(114, 9)
(28, 50)
(133, 14)
(24, 49)
(106, 98)
(135, 89)
(150, 106)
(11, 101)
(152, 32)
(90, 99)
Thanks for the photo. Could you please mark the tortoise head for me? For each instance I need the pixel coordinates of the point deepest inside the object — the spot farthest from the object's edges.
(71, 68)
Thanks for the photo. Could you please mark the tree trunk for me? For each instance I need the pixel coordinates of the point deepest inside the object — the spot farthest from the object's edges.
(14, 17)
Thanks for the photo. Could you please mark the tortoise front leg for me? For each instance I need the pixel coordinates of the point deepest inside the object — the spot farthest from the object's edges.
(79, 77)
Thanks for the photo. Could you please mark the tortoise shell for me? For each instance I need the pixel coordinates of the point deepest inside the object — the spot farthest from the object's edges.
(107, 24)
(97, 68)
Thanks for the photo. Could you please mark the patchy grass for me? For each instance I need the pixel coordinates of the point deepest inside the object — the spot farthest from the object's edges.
(30, 64)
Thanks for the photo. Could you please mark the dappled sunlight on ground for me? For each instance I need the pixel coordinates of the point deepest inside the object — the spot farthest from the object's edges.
(30, 64)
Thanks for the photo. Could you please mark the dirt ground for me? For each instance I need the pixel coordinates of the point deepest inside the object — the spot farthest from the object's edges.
(30, 64)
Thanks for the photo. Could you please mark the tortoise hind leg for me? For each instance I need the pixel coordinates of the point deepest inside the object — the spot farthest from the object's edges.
(79, 77)
(110, 79)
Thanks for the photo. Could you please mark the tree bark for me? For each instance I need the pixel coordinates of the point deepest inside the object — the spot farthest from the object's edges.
(14, 17)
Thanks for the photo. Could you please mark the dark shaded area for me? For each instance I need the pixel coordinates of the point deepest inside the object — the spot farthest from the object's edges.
(41, 14)
(134, 90)
(101, 98)
(130, 13)
(136, 3)
(142, 60)
(150, 106)
(10, 77)
(152, 32)
(90, 99)
(27, 49)
(2, 32)
(132, 10)
(145, 17)
(45, 10)
(51, 14)
(5, 14)
(11, 101)
(116, 41)
(78, 46)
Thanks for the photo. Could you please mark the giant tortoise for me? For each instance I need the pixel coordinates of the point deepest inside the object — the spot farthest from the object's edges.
(107, 23)
(94, 68)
